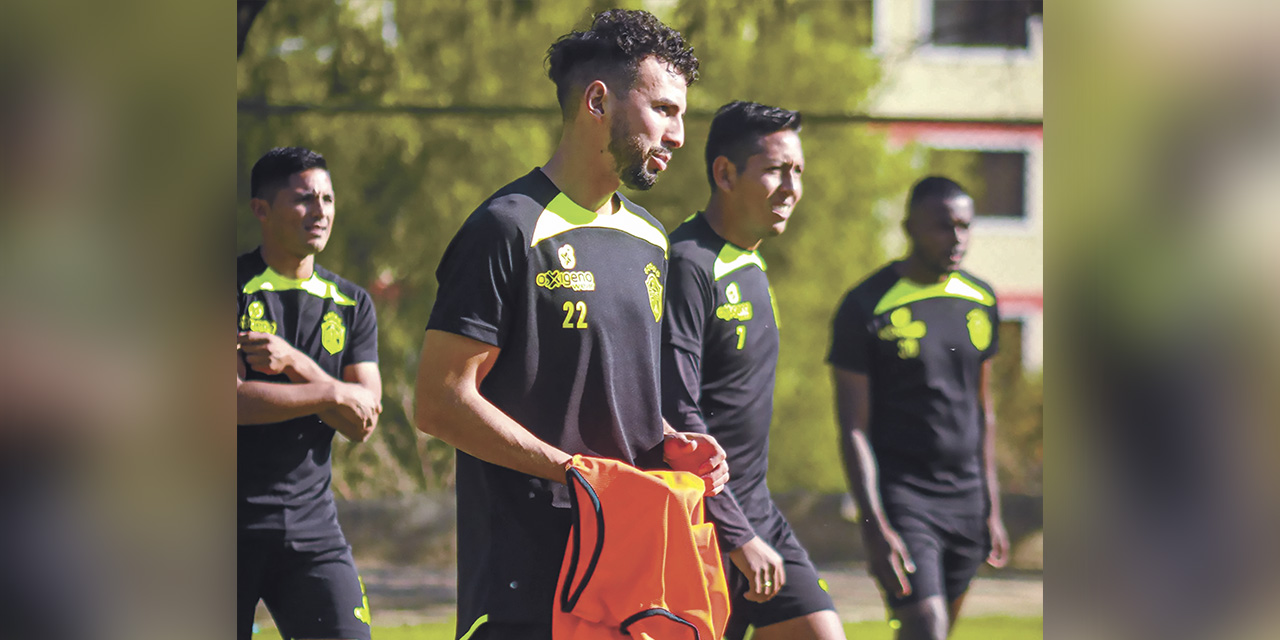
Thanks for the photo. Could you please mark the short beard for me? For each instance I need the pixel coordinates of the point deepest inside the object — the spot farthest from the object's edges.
(632, 161)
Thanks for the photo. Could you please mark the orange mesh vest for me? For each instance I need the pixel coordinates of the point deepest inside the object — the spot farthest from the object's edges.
(641, 562)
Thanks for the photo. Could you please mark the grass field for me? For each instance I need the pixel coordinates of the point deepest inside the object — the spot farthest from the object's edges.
(992, 628)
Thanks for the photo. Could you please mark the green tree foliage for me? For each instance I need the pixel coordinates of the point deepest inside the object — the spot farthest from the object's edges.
(809, 56)
(1019, 398)
(484, 113)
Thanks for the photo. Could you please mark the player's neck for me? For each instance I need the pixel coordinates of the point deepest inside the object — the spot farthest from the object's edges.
(287, 265)
(915, 269)
(717, 215)
(583, 176)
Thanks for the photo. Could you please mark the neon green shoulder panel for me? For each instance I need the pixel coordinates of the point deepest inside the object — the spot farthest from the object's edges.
(269, 280)
(955, 286)
(731, 258)
(563, 214)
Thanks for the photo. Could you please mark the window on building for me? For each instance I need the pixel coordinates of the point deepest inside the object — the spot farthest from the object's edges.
(983, 23)
(995, 179)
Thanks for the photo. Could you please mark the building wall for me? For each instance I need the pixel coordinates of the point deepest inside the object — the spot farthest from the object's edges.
(922, 80)
(980, 99)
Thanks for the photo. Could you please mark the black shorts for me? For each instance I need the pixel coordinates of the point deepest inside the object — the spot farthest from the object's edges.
(946, 548)
(311, 588)
(804, 593)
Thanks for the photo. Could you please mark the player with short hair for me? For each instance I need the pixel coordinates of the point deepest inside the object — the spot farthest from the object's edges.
(720, 354)
(307, 366)
(544, 338)
(911, 359)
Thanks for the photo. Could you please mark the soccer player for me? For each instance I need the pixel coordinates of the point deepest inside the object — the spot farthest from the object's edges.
(720, 352)
(910, 357)
(307, 366)
(544, 338)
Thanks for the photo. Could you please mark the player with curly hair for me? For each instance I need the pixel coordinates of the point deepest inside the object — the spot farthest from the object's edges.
(544, 338)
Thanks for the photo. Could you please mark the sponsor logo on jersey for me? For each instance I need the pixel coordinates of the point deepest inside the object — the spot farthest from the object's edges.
(736, 309)
(740, 311)
(333, 335)
(653, 284)
(252, 320)
(979, 328)
(567, 259)
(576, 280)
(906, 331)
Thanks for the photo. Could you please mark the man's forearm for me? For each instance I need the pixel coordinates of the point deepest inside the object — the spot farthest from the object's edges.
(731, 523)
(472, 424)
(266, 404)
(303, 369)
(260, 402)
(864, 477)
(681, 391)
(353, 429)
(992, 472)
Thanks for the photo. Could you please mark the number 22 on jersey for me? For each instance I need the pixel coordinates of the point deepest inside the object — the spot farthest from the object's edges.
(581, 308)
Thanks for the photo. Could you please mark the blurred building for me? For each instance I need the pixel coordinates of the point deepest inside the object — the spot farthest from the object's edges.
(963, 86)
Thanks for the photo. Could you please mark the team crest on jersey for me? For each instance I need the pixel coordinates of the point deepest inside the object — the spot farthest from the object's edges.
(252, 320)
(653, 284)
(333, 335)
(979, 328)
(906, 331)
(567, 258)
(731, 292)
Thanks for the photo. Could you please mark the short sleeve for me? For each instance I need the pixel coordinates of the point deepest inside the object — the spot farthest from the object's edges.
(364, 332)
(689, 301)
(476, 277)
(850, 337)
(994, 347)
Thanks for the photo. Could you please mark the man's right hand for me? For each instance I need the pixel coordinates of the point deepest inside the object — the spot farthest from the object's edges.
(762, 566)
(266, 352)
(357, 404)
(888, 558)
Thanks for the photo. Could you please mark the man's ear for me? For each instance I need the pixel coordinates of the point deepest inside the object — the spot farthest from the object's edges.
(594, 98)
(908, 223)
(725, 174)
(259, 207)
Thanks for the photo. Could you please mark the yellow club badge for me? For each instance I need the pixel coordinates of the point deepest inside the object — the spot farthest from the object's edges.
(333, 335)
(979, 328)
(653, 283)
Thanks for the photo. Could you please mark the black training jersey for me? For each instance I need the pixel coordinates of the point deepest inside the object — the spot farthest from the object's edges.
(574, 300)
(922, 346)
(720, 354)
(283, 469)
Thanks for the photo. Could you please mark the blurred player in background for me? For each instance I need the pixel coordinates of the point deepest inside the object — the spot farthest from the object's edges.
(307, 366)
(720, 353)
(910, 356)
(544, 338)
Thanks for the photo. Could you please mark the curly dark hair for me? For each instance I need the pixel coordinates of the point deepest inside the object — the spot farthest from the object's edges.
(612, 50)
(737, 128)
